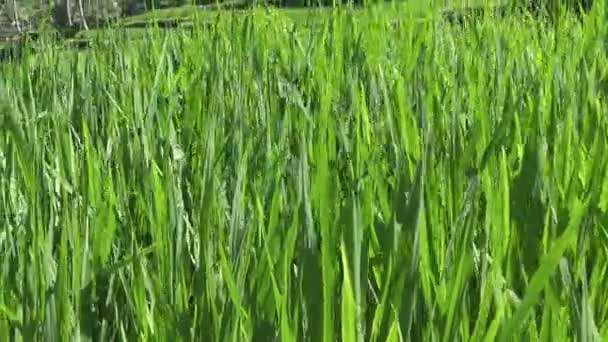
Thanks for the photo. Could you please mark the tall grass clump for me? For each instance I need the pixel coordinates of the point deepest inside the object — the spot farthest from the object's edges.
(351, 178)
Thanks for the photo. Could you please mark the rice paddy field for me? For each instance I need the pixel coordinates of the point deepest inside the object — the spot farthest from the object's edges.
(364, 177)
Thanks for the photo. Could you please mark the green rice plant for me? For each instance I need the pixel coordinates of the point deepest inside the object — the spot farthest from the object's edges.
(335, 178)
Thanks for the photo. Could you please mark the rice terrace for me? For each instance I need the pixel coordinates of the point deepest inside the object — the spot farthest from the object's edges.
(303, 170)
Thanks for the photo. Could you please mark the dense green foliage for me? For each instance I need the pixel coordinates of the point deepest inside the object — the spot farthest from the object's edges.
(353, 178)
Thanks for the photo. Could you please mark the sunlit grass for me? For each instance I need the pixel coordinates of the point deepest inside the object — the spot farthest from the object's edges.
(264, 179)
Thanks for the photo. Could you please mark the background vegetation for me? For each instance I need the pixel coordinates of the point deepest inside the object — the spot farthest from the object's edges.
(85, 14)
(356, 175)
